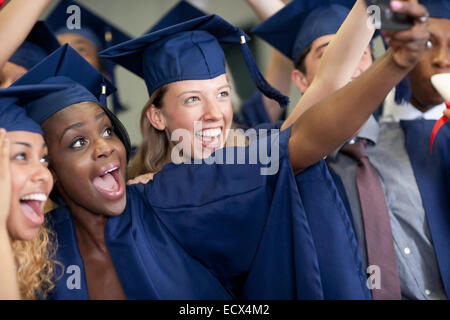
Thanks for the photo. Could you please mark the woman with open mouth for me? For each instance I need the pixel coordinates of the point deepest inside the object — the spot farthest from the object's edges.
(195, 231)
(30, 186)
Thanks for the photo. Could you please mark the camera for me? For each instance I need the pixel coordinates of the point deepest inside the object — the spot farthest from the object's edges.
(387, 19)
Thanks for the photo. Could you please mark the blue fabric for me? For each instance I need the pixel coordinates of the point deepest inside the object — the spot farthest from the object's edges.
(63, 67)
(100, 32)
(437, 8)
(299, 23)
(252, 112)
(184, 236)
(432, 173)
(218, 242)
(341, 268)
(13, 116)
(39, 43)
(181, 12)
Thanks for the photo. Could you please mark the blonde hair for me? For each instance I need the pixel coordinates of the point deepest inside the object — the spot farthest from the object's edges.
(152, 153)
(35, 264)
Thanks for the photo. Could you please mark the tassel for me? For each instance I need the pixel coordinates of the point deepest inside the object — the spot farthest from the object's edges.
(258, 78)
(403, 91)
(103, 96)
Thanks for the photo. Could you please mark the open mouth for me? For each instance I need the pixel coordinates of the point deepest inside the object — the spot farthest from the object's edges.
(32, 207)
(108, 182)
(210, 138)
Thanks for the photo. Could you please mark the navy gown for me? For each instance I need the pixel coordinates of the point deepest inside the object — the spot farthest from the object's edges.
(215, 232)
(253, 112)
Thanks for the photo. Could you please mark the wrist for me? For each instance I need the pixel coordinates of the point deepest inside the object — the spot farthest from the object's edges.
(398, 64)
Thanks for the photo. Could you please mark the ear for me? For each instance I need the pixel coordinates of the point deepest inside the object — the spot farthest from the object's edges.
(300, 81)
(156, 118)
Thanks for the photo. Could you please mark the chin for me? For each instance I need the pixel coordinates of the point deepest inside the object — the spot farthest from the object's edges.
(24, 234)
(115, 209)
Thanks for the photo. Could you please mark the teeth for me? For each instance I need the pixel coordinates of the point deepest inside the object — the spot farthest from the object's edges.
(35, 196)
(111, 170)
(210, 133)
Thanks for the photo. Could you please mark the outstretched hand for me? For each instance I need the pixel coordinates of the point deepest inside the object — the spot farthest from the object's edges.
(409, 45)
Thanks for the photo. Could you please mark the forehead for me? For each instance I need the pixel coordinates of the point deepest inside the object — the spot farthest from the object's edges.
(198, 85)
(75, 39)
(80, 112)
(440, 27)
(34, 139)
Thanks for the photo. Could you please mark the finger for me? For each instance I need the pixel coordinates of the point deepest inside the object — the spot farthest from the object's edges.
(410, 35)
(411, 8)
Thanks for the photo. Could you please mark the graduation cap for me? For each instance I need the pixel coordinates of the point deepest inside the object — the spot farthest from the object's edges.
(181, 12)
(92, 27)
(65, 67)
(13, 116)
(437, 9)
(191, 50)
(39, 43)
(292, 29)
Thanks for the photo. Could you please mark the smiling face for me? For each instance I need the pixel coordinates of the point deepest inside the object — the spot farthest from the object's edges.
(202, 108)
(31, 184)
(10, 73)
(87, 159)
(435, 60)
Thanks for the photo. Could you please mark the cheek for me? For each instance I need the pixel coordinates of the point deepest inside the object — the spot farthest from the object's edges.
(70, 166)
(18, 179)
(183, 118)
(228, 115)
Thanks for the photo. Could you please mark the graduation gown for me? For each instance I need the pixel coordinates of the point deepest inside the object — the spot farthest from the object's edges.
(342, 273)
(198, 231)
(206, 232)
(253, 112)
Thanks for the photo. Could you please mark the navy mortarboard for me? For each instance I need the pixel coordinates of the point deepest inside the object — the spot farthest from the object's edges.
(191, 50)
(12, 116)
(84, 83)
(40, 43)
(181, 12)
(292, 29)
(92, 27)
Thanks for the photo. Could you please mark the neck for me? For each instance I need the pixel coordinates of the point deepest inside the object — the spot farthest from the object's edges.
(420, 106)
(89, 227)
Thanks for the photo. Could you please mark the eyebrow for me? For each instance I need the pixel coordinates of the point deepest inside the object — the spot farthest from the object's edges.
(23, 144)
(199, 92)
(80, 124)
(322, 46)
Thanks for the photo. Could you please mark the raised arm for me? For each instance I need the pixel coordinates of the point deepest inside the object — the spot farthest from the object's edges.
(17, 18)
(8, 276)
(328, 124)
(280, 67)
(339, 60)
